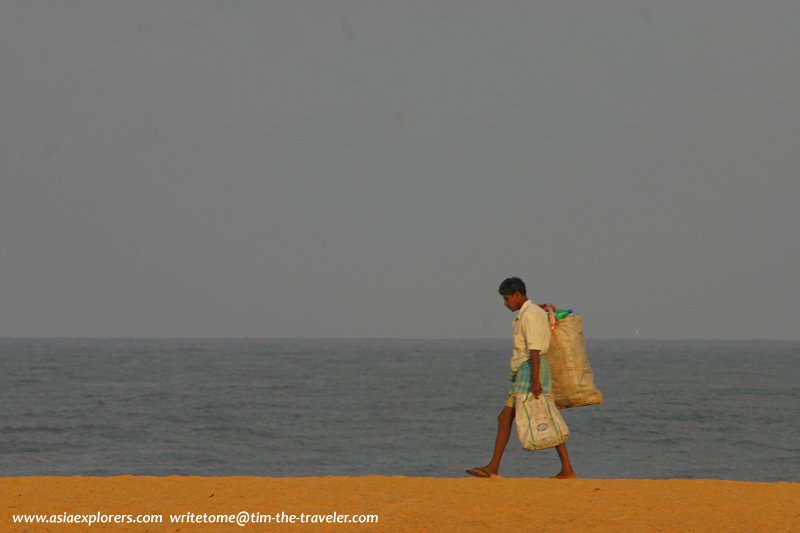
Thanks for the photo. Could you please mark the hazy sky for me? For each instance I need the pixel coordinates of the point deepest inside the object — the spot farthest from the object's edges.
(376, 168)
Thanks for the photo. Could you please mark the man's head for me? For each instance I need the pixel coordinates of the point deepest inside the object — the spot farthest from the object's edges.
(513, 292)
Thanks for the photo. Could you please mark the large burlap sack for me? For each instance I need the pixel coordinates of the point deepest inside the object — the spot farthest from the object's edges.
(573, 381)
(539, 424)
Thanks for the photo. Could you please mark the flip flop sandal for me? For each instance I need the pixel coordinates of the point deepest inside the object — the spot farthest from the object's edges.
(478, 472)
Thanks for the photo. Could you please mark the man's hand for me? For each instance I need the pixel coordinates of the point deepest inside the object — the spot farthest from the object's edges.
(536, 389)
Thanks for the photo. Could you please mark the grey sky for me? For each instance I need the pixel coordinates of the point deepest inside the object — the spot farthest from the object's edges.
(347, 169)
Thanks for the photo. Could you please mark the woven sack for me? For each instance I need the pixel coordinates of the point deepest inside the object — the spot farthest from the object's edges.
(539, 424)
(573, 380)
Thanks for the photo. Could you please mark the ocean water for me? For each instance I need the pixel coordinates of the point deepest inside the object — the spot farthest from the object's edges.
(278, 407)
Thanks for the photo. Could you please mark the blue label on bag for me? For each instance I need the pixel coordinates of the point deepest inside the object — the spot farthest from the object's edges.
(542, 427)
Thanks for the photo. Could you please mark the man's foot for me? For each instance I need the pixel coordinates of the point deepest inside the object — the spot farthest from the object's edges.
(570, 474)
(481, 471)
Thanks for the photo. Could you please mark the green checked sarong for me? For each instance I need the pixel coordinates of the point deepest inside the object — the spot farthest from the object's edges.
(522, 377)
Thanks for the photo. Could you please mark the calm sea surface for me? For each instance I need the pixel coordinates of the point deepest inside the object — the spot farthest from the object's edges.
(674, 409)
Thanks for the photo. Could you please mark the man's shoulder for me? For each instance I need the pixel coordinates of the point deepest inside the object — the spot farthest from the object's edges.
(534, 311)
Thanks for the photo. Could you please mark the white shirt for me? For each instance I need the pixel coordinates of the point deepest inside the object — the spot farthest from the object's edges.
(531, 332)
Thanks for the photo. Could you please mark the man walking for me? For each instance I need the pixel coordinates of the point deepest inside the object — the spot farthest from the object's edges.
(529, 371)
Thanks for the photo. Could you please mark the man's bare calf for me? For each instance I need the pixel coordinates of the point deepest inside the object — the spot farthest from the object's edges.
(504, 422)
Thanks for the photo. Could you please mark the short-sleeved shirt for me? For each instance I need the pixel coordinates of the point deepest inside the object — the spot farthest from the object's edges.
(531, 332)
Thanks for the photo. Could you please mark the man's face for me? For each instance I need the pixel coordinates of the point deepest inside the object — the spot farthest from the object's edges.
(514, 301)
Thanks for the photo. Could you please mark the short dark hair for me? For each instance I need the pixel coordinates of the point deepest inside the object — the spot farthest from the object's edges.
(511, 286)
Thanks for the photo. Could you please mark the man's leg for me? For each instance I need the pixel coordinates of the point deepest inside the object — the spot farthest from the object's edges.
(504, 422)
(566, 467)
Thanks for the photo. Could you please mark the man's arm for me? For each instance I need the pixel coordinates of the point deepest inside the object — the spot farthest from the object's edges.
(536, 386)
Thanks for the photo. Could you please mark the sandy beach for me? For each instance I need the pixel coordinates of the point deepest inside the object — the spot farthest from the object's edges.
(397, 503)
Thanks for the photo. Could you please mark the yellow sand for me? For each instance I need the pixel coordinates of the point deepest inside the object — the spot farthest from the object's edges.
(411, 503)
